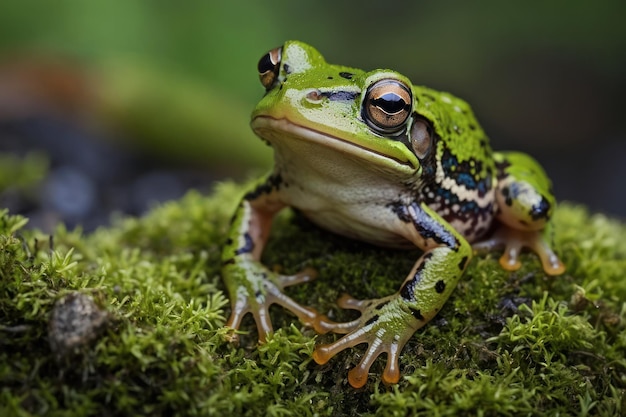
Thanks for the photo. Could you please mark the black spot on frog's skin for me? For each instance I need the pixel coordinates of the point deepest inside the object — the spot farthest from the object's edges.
(408, 288)
(287, 68)
(468, 173)
(501, 169)
(463, 263)
(273, 182)
(426, 257)
(381, 305)
(506, 193)
(426, 226)
(329, 78)
(372, 320)
(346, 75)
(432, 229)
(339, 95)
(440, 286)
(228, 262)
(417, 314)
(540, 210)
(248, 245)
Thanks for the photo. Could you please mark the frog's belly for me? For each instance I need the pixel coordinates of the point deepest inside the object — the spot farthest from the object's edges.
(369, 226)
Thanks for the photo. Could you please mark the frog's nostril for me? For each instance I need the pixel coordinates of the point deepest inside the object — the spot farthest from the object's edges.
(314, 96)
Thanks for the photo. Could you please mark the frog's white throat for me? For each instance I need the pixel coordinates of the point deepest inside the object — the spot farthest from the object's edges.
(336, 184)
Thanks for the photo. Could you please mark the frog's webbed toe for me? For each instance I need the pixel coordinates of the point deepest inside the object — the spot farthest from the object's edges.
(307, 315)
(264, 291)
(384, 326)
(322, 324)
(514, 241)
(377, 345)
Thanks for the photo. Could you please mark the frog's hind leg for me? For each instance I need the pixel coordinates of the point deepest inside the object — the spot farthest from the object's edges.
(386, 324)
(525, 206)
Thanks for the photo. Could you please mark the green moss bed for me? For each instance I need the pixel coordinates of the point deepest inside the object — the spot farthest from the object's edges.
(128, 320)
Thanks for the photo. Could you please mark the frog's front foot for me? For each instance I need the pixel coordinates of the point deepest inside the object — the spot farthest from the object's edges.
(385, 325)
(257, 289)
(514, 241)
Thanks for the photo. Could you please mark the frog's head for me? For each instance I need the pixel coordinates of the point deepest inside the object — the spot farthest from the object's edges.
(364, 115)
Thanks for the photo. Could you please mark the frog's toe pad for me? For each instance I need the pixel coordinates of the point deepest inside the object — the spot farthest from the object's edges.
(357, 377)
(513, 241)
(268, 291)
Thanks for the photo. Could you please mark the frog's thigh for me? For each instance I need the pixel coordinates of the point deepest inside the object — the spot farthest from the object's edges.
(524, 196)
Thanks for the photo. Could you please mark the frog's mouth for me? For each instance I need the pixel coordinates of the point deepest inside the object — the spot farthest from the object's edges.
(269, 128)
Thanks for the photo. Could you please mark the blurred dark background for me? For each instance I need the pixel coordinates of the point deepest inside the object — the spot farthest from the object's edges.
(113, 106)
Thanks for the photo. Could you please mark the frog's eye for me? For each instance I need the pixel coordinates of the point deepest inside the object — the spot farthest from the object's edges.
(387, 105)
(269, 67)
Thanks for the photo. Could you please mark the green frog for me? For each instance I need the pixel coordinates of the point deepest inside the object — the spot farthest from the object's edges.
(370, 156)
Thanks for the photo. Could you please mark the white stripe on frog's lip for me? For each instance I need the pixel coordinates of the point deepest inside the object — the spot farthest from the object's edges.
(334, 142)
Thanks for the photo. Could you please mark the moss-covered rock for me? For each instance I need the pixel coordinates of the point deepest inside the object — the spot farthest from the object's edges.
(505, 343)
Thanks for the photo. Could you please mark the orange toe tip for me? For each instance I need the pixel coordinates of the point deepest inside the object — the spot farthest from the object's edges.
(391, 378)
(310, 273)
(357, 377)
(554, 270)
(510, 264)
(552, 265)
(347, 301)
(320, 355)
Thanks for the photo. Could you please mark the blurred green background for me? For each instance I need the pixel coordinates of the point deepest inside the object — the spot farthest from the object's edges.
(175, 81)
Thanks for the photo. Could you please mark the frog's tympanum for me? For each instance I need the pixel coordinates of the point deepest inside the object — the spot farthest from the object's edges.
(371, 156)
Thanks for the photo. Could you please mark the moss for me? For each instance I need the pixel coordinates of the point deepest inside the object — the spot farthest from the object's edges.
(21, 173)
(505, 343)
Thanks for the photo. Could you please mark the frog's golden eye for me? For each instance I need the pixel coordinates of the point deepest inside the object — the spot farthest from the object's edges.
(387, 105)
(269, 66)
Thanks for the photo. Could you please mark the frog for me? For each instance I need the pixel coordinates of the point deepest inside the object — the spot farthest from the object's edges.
(370, 156)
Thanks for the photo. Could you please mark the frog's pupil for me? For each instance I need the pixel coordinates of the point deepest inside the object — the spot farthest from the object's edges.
(265, 64)
(390, 103)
